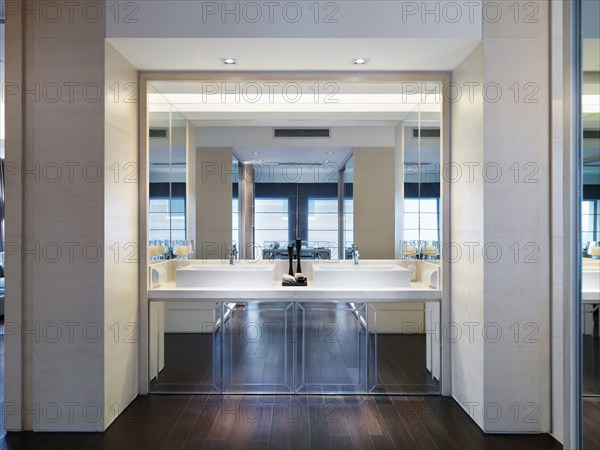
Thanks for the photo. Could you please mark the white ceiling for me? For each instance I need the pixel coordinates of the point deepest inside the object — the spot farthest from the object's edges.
(289, 54)
(259, 103)
(378, 106)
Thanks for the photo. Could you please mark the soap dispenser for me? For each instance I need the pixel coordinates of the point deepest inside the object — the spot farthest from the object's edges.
(412, 266)
(410, 253)
(291, 259)
(298, 255)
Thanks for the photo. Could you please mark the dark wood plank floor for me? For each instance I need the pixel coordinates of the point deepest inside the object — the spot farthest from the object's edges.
(591, 423)
(295, 422)
(286, 422)
(591, 365)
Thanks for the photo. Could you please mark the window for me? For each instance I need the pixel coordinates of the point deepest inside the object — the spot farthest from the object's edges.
(348, 222)
(235, 221)
(421, 219)
(166, 219)
(590, 221)
(323, 222)
(271, 221)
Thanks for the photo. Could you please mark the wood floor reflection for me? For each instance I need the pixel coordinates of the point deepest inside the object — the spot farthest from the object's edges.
(327, 342)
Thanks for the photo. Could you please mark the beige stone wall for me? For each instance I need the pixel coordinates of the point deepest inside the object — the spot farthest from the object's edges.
(71, 289)
(374, 202)
(213, 202)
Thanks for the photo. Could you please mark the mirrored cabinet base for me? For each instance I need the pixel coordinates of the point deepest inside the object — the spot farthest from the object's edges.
(294, 348)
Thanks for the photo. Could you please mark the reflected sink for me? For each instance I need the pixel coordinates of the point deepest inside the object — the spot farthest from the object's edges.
(360, 276)
(238, 276)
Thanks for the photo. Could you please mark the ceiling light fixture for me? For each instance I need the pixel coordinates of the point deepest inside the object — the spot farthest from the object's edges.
(330, 153)
(255, 153)
(229, 61)
(360, 61)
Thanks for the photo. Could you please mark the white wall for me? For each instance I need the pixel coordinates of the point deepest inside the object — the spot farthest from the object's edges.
(511, 293)
(42, 291)
(518, 292)
(466, 225)
(364, 19)
(69, 293)
(121, 211)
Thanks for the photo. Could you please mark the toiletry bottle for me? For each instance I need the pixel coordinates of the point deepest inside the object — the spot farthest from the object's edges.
(291, 259)
(412, 266)
(298, 252)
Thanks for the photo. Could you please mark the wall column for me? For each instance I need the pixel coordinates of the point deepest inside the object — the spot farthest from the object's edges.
(71, 207)
(500, 227)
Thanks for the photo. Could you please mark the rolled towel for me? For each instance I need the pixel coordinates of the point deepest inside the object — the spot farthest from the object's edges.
(410, 250)
(430, 250)
(182, 250)
(288, 278)
(154, 250)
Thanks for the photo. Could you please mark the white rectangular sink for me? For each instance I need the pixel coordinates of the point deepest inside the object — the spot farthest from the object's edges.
(360, 276)
(238, 276)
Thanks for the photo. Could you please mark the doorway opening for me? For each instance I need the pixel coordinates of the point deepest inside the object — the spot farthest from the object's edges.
(236, 175)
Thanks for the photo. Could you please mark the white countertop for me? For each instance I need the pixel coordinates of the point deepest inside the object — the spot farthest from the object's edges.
(416, 292)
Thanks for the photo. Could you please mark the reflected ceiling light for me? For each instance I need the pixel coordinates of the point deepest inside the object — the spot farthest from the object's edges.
(330, 153)
(229, 61)
(326, 161)
(360, 61)
(255, 153)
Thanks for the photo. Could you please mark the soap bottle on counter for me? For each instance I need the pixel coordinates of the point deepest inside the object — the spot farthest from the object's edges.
(410, 253)
(412, 266)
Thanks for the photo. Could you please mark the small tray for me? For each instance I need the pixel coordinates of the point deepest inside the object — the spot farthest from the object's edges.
(296, 283)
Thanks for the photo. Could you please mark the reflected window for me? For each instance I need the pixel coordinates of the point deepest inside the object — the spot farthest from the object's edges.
(422, 219)
(271, 220)
(590, 221)
(166, 219)
(235, 220)
(323, 221)
(348, 222)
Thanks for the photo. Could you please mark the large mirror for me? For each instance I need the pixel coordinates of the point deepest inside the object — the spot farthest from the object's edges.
(421, 151)
(590, 223)
(167, 206)
(340, 181)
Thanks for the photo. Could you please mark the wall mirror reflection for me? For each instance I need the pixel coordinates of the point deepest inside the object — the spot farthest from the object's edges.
(590, 236)
(590, 223)
(346, 194)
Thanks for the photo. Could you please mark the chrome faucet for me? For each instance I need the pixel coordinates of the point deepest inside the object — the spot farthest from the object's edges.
(233, 254)
(355, 254)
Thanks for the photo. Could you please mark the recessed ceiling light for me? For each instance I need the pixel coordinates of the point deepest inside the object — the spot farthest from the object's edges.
(229, 61)
(255, 153)
(360, 61)
(326, 161)
(330, 153)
